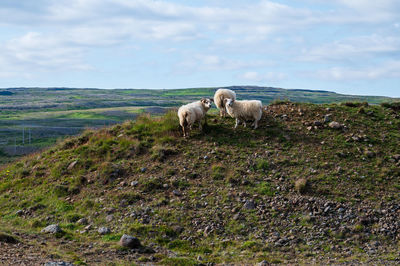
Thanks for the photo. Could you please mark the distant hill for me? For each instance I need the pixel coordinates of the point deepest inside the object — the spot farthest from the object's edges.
(315, 184)
(88, 98)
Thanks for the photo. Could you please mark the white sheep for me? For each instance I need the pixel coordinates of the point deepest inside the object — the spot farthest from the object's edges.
(219, 97)
(193, 112)
(244, 110)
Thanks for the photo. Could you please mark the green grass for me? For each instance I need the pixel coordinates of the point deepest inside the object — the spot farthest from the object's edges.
(184, 205)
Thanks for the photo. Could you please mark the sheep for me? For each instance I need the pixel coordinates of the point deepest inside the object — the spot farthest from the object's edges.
(219, 97)
(193, 112)
(244, 110)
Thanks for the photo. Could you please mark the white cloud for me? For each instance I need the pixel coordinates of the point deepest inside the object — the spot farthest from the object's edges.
(34, 52)
(389, 69)
(263, 77)
(201, 62)
(353, 48)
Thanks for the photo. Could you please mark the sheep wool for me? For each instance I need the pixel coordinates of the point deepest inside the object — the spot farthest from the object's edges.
(244, 110)
(191, 113)
(219, 99)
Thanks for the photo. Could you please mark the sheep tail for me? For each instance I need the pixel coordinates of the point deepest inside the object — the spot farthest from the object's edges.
(221, 98)
(185, 122)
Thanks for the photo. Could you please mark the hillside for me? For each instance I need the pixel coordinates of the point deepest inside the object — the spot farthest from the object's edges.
(54, 113)
(300, 189)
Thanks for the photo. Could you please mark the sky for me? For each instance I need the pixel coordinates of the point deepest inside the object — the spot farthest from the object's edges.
(345, 46)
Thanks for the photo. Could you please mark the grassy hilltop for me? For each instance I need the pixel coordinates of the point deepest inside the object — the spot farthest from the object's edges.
(34, 118)
(300, 189)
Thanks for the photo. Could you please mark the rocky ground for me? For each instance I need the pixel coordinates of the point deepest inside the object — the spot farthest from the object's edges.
(314, 184)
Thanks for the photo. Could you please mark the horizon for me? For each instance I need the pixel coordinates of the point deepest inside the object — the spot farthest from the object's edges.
(348, 47)
(193, 88)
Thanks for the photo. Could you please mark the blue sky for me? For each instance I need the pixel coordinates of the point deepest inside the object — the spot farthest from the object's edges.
(346, 46)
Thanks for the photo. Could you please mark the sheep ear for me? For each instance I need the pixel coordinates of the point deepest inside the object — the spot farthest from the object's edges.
(211, 100)
(202, 100)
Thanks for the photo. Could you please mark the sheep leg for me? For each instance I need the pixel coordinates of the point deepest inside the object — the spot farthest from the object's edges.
(255, 124)
(184, 129)
(237, 123)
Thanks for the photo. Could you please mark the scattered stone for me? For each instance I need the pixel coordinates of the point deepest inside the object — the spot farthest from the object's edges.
(143, 169)
(58, 263)
(52, 229)
(129, 241)
(370, 154)
(317, 123)
(177, 193)
(301, 185)
(4, 238)
(236, 216)
(82, 221)
(104, 230)
(327, 118)
(19, 212)
(134, 183)
(335, 125)
(109, 218)
(249, 205)
(396, 157)
(88, 227)
(72, 165)
(263, 263)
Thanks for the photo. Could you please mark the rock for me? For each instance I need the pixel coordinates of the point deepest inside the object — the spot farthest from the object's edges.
(236, 216)
(317, 123)
(109, 218)
(58, 263)
(327, 118)
(52, 229)
(82, 221)
(104, 230)
(301, 185)
(335, 125)
(249, 205)
(7, 239)
(177, 193)
(134, 183)
(88, 227)
(370, 154)
(143, 169)
(129, 241)
(396, 157)
(71, 165)
(19, 212)
(263, 263)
